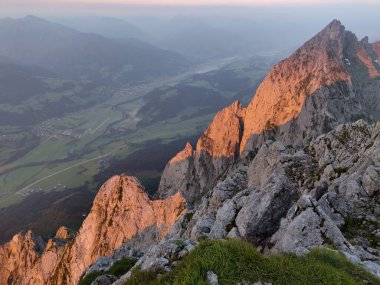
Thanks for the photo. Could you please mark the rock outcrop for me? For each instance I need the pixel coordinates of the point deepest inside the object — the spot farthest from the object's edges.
(18, 255)
(121, 210)
(302, 96)
(191, 172)
(288, 200)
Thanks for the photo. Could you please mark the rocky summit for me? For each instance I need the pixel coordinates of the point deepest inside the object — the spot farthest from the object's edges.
(298, 169)
(121, 211)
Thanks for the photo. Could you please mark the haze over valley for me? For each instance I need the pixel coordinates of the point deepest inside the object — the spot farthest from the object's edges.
(76, 105)
(189, 143)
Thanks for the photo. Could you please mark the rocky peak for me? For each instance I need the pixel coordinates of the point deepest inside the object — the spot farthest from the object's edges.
(63, 233)
(299, 99)
(29, 240)
(222, 138)
(300, 94)
(63, 236)
(334, 30)
(192, 172)
(183, 154)
(121, 211)
(365, 40)
(17, 256)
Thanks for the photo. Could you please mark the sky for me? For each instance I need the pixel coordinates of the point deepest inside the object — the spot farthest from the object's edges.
(17, 8)
(190, 2)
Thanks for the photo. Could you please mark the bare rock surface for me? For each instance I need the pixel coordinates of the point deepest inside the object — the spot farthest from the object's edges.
(17, 256)
(120, 211)
(211, 278)
(104, 280)
(191, 172)
(332, 79)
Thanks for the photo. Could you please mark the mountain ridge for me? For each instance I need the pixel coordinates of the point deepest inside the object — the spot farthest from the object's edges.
(307, 179)
(35, 41)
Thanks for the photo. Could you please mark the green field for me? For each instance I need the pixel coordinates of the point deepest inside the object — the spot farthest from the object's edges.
(68, 150)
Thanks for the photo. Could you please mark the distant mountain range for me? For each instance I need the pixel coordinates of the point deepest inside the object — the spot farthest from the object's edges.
(47, 69)
(105, 26)
(298, 169)
(72, 54)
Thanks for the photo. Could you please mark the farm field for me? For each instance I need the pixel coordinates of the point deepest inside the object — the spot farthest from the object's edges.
(124, 133)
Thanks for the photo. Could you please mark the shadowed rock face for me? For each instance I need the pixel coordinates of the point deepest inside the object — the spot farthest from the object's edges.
(376, 49)
(192, 172)
(364, 57)
(120, 211)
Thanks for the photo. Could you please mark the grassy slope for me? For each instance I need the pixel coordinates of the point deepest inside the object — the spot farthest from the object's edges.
(236, 261)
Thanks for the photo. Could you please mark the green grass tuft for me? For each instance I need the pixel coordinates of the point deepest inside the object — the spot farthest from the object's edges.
(236, 261)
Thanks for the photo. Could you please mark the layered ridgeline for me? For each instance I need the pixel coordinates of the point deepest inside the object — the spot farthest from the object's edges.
(298, 168)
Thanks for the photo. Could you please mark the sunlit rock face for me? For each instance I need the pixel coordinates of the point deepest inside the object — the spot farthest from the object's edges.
(191, 172)
(222, 138)
(17, 256)
(63, 233)
(120, 211)
(302, 96)
(282, 94)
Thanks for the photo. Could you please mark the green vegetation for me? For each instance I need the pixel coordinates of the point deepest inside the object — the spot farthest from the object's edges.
(236, 261)
(341, 170)
(118, 269)
(356, 227)
(68, 149)
(74, 134)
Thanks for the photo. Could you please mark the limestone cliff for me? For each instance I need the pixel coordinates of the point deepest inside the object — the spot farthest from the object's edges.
(303, 95)
(288, 201)
(18, 255)
(332, 79)
(191, 172)
(281, 96)
(120, 211)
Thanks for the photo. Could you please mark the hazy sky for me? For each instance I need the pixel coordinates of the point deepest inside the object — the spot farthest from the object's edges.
(18, 8)
(193, 2)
